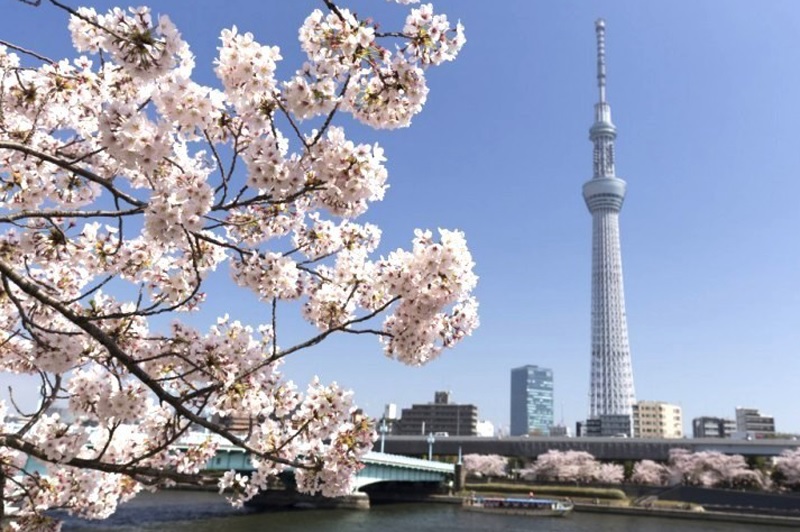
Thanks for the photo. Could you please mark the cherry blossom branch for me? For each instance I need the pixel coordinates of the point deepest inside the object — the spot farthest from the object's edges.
(142, 474)
(88, 20)
(274, 327)
(293, 124)
(223, 176)
(83, 291)
(157, 308)
(91, 291)
(49, 214)
(376, 332)
(329, 118)
(130, 364)
(46, 402)
(65, 165)
(26, 51)
(320, 337)
(333, 7)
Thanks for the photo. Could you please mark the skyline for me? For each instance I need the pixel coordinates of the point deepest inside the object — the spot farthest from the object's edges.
(707, 96)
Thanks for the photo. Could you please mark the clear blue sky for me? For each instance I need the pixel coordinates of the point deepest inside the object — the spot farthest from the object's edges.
(705, 98)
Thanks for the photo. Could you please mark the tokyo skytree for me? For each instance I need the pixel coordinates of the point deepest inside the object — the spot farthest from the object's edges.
(611, 391)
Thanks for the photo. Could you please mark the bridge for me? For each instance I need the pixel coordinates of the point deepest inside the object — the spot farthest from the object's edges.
(382, 467)
(619, 449)
(378, 467)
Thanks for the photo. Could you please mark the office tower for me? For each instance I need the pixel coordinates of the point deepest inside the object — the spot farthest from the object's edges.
(531, 401)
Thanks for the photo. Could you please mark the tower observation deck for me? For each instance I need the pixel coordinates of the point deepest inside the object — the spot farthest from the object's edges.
(611, 389)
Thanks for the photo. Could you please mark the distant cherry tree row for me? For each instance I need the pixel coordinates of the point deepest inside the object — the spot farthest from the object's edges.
(705, 469)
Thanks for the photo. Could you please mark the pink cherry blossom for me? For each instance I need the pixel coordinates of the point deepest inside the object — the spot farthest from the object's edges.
(485, 465)
(711, 468)
(126, 186)
(650, 472)
(572, 466)
(788, 465)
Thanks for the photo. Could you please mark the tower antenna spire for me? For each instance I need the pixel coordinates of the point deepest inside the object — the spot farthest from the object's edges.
(600, 29)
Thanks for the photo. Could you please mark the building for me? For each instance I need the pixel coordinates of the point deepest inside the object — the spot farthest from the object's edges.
(485, 429)
(656, 419)
(440, 417)
(611, 394)
(751, 423)
(713, 427)
(608, 425)
(531, 400)
(386, 424)
(390, 411)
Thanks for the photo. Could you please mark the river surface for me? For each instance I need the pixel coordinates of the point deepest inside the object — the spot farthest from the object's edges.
(173, 511)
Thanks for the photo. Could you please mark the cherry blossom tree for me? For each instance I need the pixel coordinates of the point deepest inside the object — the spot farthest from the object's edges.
(712, 468)
(608, 473)
(485, 465)
(787, 465)
(650, 472)
(572, 466)
(124, 184)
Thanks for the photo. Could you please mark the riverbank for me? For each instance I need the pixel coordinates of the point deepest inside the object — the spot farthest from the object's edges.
(618, 506)
(701, 515)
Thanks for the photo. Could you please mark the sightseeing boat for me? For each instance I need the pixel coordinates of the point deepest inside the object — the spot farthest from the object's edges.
(515, 506)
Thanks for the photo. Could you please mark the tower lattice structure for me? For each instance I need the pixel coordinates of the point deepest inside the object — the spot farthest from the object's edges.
(611, 390)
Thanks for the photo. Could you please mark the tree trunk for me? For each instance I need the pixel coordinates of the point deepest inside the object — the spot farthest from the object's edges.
(2, 494)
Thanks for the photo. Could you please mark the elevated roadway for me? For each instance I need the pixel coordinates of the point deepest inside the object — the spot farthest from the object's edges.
(601, 448)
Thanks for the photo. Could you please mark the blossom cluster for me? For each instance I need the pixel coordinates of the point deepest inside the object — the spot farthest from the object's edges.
(347, 67)
(247, 71)
(144, 49)
(485, 465)
(350, 175)
(131, 194)
(430, 278)
(433, 41)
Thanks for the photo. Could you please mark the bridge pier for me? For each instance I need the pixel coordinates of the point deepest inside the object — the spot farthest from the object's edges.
(459, 478)
(291, 499)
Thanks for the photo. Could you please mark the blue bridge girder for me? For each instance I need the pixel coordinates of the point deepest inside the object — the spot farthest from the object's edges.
(382, 467)
(378, 467)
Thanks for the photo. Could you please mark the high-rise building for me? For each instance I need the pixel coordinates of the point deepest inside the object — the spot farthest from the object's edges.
(750, 422)
(656, 419)
(611, 394)
(713, 427)
(531, 400)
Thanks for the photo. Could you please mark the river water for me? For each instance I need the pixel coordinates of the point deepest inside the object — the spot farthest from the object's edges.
(173, 511)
